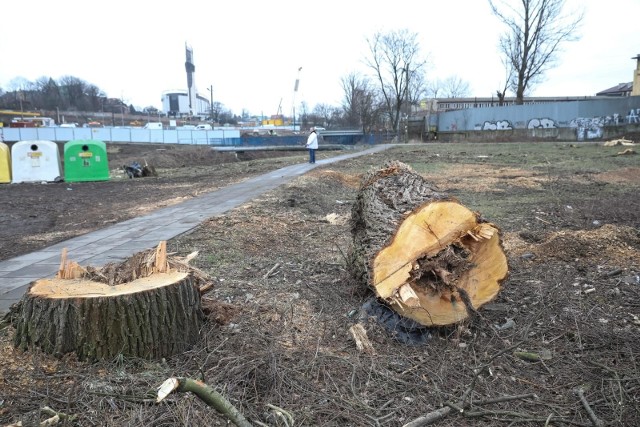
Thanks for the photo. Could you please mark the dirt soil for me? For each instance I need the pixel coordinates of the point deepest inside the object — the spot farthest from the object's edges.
(560, 345)
(36, 215)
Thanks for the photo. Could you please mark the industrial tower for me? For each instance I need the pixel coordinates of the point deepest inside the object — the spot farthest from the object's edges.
(191, 83)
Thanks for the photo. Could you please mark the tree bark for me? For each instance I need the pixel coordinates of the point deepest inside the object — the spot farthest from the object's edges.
(423, 253)
(150, 317)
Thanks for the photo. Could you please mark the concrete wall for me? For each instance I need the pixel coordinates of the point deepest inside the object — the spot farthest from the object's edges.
(592, 119)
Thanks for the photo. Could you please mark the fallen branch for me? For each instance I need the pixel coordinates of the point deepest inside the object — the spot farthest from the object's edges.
(597, 422)
(621, 141)
(430, 418)
(359, 334)
(270, 272)
(626, 152)
(205, 393)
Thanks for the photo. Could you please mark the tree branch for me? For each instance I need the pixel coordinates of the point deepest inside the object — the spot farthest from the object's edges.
(207, 394)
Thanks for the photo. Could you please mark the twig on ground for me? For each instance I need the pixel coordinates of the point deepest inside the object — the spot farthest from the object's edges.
(462, 404)
(504, 399)
(285, 416)
(597, 422)
(270, 272)
(520, 417)
(617, 379)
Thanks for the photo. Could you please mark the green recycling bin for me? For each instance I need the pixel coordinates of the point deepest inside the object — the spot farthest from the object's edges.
(85, 160)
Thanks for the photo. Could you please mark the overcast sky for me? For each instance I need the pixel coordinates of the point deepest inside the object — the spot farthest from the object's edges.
(250, 51)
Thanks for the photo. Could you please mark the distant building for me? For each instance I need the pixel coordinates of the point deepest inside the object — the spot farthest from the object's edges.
(625, 89)
(450, 104)
(176, 103)
(621, 89)
(186, 103)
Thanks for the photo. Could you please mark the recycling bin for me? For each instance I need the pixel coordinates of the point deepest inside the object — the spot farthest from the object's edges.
(35, 161)
(5, 163)
(85, 160)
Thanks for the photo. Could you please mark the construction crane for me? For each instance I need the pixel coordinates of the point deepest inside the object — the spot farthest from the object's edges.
(276, 119)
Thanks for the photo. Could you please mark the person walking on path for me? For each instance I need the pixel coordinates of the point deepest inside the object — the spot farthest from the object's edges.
(312, 145)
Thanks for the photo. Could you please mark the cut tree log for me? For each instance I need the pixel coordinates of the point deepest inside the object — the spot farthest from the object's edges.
(426, 255)
(143, 307)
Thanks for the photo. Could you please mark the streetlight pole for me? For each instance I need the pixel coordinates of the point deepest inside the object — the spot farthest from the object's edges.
(295, 91)
(20, 99)
(210, 89)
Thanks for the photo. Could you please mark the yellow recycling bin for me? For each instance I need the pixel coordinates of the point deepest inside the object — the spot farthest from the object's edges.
(5, 163)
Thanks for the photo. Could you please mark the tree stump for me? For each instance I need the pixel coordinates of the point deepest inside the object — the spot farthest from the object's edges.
(426, 255)
(156, 312)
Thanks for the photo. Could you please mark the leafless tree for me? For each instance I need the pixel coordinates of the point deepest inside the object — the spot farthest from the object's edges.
(501, 92)
(304, 115)
(48, 93)
(535, 31)
(360, 105)
(395, 59)
(324, 114)
(19, 84)
(451, 87)
(216, 111)
(352, 87)
(417, 88)
(454, 87)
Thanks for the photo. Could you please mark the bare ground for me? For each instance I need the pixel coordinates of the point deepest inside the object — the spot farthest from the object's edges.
(282, 305)
(35, 215)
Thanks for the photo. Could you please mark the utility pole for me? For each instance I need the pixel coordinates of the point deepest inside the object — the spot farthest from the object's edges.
(20, 95)
(210, 89)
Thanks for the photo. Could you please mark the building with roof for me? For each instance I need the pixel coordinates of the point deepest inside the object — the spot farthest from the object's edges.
(451, 104)
(621, 89)
(186, 103)
(179, 103)
(631, 88)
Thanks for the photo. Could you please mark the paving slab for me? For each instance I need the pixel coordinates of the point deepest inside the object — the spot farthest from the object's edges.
(118, 242)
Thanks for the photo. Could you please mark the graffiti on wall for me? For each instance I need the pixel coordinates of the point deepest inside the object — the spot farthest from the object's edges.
(588, 128)
(497, 125)
(591, 128)
(584, 127)
(544, 123)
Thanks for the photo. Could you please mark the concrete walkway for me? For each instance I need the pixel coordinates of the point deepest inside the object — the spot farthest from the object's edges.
(118, 242)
